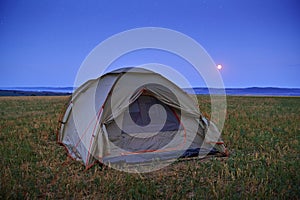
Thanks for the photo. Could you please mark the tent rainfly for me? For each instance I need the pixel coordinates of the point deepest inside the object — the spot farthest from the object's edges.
(134, 115)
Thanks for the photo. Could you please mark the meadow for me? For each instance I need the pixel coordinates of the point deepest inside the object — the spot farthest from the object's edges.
(261, 133)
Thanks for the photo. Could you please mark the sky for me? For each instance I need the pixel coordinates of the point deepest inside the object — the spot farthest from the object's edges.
(44, 42)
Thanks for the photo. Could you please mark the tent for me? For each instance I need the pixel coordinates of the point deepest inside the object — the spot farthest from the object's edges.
(133, 115)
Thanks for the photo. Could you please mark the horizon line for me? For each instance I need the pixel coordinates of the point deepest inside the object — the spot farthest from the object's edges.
(194, 87)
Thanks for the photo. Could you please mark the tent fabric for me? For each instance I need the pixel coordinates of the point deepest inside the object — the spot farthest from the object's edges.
(156, 120)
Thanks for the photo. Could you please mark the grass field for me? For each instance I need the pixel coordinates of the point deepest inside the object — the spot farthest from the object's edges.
(262, 134)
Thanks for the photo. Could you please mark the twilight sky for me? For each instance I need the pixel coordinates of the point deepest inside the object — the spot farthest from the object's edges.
(43, 43)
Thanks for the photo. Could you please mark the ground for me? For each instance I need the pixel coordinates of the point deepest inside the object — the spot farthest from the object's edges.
(261, 133)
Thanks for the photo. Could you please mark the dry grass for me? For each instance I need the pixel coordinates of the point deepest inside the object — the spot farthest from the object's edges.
(262, 134)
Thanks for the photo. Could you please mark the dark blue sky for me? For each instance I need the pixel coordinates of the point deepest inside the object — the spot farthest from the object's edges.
(43, 43)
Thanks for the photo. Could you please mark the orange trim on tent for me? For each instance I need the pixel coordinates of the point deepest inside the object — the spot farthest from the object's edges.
(101, 109)
(214, 142)
(85, 131)
(93, 136)
(66, 148)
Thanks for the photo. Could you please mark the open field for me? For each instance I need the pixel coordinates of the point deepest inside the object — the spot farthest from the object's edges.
(262, 134)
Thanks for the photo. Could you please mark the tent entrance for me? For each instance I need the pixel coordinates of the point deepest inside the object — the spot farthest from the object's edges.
(150, 113)
(147, 125)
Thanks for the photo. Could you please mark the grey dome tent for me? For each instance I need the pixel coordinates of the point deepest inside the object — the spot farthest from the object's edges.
(156, 120)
